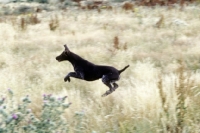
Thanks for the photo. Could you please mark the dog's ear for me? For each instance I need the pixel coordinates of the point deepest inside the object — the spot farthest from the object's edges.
(66, 48)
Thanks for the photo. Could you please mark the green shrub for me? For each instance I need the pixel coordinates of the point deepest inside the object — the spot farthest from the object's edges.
(42, 1)
(20, 118)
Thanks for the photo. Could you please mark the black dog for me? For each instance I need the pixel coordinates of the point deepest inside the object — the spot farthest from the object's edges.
(88, 71)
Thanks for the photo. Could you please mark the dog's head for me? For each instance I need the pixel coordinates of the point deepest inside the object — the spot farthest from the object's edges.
(64, 55)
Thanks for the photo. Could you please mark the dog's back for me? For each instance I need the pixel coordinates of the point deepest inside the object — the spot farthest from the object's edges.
(98, 71)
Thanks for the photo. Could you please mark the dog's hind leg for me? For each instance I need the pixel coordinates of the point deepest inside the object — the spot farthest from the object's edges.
(107, 80)
(115, 86)
(108, 91)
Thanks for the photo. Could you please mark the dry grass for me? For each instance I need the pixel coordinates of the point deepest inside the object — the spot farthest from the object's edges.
(158, 93)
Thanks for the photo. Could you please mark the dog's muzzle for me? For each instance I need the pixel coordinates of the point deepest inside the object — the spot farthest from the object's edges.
(58, 59)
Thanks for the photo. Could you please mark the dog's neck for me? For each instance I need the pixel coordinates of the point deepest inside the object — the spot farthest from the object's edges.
(74, 59)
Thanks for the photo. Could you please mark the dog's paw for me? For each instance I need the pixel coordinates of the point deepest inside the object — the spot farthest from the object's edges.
(103, 95)
(67, 79)
(106, 93)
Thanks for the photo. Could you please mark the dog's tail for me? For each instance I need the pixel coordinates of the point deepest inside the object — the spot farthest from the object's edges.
(120, 71)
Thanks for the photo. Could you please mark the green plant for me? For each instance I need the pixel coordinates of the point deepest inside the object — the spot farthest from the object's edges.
(42, 1)
(20, 118)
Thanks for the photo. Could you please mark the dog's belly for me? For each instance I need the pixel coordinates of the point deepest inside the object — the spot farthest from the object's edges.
(91, 78)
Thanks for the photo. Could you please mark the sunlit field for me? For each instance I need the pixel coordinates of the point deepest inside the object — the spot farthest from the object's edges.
(159, 92)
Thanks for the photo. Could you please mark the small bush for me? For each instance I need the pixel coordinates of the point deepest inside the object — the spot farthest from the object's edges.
(20, 118)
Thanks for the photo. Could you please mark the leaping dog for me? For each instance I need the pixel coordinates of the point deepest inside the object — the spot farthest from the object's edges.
(88, 71)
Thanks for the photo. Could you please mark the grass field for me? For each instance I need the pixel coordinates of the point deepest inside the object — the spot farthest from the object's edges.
(159, 92)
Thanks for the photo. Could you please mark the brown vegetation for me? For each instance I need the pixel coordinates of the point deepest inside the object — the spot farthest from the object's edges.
(128, 6)
(160, 22)
(54, 23)
(29, 19)
(162, 2)
(116, 42)
(99, 4)
(33, 19)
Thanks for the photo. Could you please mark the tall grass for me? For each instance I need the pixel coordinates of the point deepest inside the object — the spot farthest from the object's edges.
(158, 93)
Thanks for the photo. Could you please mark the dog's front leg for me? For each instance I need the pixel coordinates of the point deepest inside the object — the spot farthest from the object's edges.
(80, 74)
(67, 77)
(74, 75)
